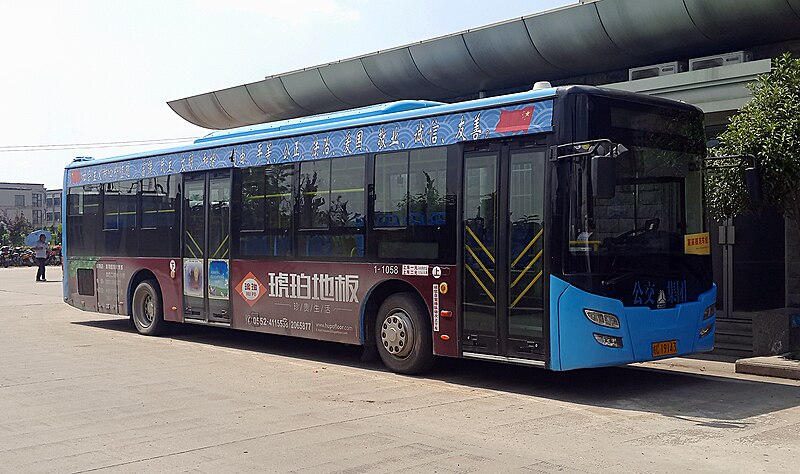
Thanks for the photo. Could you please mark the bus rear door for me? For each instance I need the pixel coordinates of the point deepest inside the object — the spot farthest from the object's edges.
(206, 247)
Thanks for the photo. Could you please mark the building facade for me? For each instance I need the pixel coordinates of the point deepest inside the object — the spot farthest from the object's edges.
(52, 216)
(23, 200)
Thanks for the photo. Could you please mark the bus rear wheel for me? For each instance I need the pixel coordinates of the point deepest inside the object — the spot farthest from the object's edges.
(403, 334)
(147, 311)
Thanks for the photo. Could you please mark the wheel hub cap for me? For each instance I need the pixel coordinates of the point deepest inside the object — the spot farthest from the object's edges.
(149, 308)
(397, 334)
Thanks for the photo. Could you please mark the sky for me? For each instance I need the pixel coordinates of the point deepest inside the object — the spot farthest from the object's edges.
(88, 72)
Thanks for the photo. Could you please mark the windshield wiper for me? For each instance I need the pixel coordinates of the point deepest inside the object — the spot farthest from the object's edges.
(625, 275)
(617, 279)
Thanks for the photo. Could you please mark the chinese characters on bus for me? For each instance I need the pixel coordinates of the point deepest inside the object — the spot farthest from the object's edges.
(416, 133)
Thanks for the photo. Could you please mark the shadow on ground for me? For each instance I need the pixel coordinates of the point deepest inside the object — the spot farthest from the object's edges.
(706, 400)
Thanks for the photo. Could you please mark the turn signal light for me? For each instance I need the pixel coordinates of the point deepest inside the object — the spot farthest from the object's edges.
(710, 311)
(706, 330)
(445, 337)
(446, 314)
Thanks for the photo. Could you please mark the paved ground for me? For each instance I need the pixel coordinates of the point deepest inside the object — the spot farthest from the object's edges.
(82, 392)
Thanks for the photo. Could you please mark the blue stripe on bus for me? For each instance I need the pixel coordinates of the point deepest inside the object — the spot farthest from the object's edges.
(432, 126)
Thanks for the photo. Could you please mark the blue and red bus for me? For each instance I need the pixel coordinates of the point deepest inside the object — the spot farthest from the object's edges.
(561, 227)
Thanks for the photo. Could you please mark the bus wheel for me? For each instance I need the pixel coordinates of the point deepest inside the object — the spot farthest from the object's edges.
(403, 334)
(147, 311)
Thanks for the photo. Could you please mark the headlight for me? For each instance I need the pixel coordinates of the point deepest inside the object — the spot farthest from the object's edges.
(710, 311)
(706, 330)
(603, 319)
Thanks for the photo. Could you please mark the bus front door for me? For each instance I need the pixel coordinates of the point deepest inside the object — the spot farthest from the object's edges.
(206, 247)
(503, 248)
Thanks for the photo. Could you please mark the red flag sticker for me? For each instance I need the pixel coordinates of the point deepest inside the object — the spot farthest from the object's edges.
(515, 120)
(74, 176)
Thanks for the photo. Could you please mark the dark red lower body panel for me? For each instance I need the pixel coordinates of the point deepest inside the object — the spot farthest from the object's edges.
(315, 300)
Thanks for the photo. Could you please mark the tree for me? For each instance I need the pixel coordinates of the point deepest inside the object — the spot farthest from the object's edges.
(5, 235)
(767, 127)
(18, 229)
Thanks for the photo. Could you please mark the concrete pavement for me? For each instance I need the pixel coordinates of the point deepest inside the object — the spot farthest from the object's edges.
(770, 366)
(83, 392)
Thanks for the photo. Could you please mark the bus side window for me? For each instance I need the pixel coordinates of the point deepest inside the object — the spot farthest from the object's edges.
(410, 193)
(332, 205)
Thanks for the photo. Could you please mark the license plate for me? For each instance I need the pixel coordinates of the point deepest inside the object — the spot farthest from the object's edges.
(665, 348)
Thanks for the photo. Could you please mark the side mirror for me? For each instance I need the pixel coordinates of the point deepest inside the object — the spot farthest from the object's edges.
(604, 171)
(752, 179)
(604, 176)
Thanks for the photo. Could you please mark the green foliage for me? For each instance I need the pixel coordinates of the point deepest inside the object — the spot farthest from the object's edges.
(55, 232)
(767, 127)
(13, 231)
(5, 235)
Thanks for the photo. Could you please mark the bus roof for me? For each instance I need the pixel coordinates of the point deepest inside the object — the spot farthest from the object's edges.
(372, 115)
(320, 119)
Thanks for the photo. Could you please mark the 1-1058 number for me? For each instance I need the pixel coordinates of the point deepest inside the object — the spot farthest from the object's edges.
(387, 269)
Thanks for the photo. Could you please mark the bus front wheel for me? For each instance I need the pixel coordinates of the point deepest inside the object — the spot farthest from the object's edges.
(147, 311)
(403, 334)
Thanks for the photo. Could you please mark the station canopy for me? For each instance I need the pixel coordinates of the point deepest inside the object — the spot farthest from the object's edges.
(575, 40)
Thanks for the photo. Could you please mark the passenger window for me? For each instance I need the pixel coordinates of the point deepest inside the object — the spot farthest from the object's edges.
(410, 188)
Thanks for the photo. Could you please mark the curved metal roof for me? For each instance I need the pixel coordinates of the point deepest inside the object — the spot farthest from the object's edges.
(603, 35)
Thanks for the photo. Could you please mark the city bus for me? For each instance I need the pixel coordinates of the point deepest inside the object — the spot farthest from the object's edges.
(561, 227)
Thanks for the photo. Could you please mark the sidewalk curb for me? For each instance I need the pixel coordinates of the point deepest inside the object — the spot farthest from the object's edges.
(773, 366)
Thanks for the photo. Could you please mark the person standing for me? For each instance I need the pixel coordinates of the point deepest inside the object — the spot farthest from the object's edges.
(41, 256)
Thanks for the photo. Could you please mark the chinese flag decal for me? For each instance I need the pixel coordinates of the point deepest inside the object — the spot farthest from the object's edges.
(74, 176)
(514, 120)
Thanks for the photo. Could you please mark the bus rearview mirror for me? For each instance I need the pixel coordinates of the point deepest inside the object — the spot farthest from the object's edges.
(604, 176)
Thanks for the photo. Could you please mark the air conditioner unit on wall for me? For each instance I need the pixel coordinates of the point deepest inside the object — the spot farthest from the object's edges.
(655, 70)
(718, 60)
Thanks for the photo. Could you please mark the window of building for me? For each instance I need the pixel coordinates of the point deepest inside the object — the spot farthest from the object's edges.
(36, 199)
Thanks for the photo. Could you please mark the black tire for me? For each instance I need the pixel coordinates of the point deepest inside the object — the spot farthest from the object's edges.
(403, 334)
(147, 310)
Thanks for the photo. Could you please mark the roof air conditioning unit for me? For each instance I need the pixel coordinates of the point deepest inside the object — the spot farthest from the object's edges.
(736, 57)
(656, 70)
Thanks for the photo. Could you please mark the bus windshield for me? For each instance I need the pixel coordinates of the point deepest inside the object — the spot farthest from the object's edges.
(632, 246)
